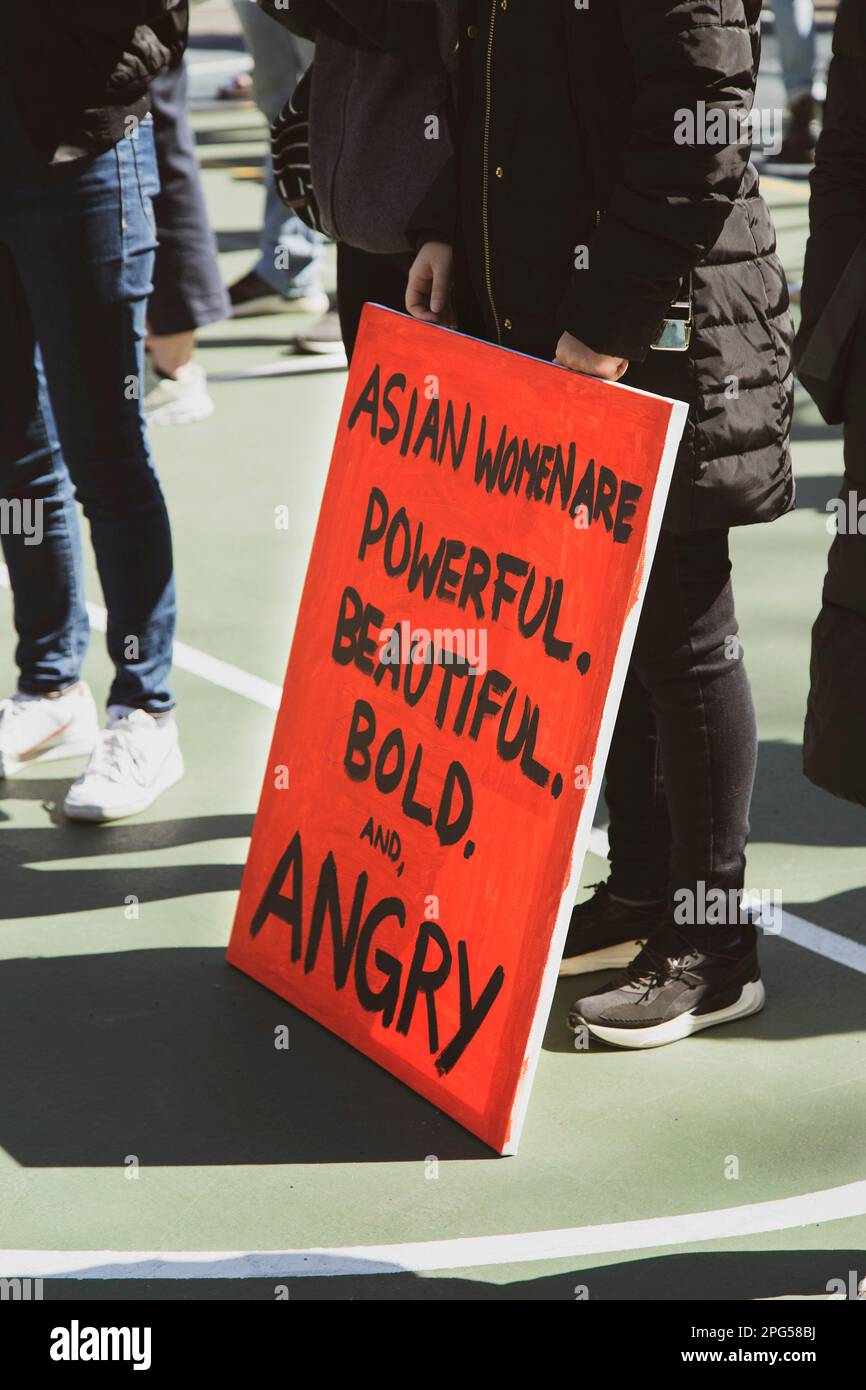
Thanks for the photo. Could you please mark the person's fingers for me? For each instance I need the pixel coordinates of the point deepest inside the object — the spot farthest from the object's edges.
(427, 290)
(609, 369)
(441, 287)
(418, 292)
(588, 364)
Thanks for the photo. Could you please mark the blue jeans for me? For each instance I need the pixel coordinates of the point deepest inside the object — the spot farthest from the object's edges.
(795, 32)
(279, 62)
(76, 261)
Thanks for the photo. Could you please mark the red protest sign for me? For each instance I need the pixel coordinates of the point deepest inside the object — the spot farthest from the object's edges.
(471, 599)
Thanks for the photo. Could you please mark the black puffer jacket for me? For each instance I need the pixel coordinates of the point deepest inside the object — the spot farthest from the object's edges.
(569, 118)
(834, 753)
(79, 69)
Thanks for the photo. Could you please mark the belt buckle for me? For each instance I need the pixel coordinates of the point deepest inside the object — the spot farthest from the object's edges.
(675, 332)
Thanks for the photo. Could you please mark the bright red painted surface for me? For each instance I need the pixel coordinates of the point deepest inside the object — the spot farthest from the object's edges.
(502, 901)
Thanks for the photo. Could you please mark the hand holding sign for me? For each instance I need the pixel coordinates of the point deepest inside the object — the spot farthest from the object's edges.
(575, 355)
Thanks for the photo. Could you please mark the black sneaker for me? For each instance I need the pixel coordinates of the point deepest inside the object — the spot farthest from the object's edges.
(252, 297)
(675, 988)
(605, 934)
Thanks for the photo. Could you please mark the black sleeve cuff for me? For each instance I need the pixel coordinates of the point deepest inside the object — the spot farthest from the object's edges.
(608, 321)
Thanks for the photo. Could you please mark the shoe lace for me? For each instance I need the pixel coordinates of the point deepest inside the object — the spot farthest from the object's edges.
(12, 707)
(650, 971)
(117, 757)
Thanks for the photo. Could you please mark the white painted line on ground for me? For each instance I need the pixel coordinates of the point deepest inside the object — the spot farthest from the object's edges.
(232, 678)
(240, 62)
(819, 940)
(823, 942)
(302, 365)
(598, 842)
(465, 1252)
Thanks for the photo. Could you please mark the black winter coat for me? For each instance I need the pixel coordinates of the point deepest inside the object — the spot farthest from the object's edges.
(79, 69)
(568, 119)
(834, 753)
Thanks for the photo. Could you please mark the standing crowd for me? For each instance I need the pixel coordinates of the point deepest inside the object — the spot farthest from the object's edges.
(457, 152)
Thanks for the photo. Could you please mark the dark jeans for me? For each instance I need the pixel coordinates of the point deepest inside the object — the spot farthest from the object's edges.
(682, 759)
(76, 258)
(188, 290)
(364, 278)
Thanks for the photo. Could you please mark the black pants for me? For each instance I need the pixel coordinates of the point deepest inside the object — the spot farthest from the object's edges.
(188, 290)
(364, 278)
(682, 759)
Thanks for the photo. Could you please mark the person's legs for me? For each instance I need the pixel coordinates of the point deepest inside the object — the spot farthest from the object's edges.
(699, 966)
(280, 58)
(681, 761)
(84, 247)
(42, 551)
(290, 252)
(688, 656)
(639, 832)
(364, 278)
(188, 291)
(795, 32)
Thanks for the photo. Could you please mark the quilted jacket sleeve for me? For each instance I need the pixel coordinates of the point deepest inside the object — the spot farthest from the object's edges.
(837, 208)
(683, 167)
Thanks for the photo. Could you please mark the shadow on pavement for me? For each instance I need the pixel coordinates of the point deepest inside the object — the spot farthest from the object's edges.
(788, 809)
(169, 1055)
(814, 491)
(728, 1275)
(30, 890)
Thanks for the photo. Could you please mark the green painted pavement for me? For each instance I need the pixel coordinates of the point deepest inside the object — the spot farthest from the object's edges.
(132, 1037)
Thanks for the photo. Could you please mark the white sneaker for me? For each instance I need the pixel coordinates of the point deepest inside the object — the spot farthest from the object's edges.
(43, 728)
(136, 758)
(179, 400)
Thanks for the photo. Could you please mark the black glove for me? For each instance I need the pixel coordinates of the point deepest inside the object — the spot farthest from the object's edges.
(290, 156)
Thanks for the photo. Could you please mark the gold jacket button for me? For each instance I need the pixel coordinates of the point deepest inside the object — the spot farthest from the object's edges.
(507, 324)
(500, 172)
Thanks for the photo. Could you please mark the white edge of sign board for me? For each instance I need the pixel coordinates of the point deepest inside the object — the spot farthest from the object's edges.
(676, 425)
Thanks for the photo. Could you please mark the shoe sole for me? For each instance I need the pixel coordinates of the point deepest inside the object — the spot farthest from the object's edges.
(751, 1001)
(610, 958)
(170, 773)
(320, 347)
(269, 305)
(75, 748)
(177, 414)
